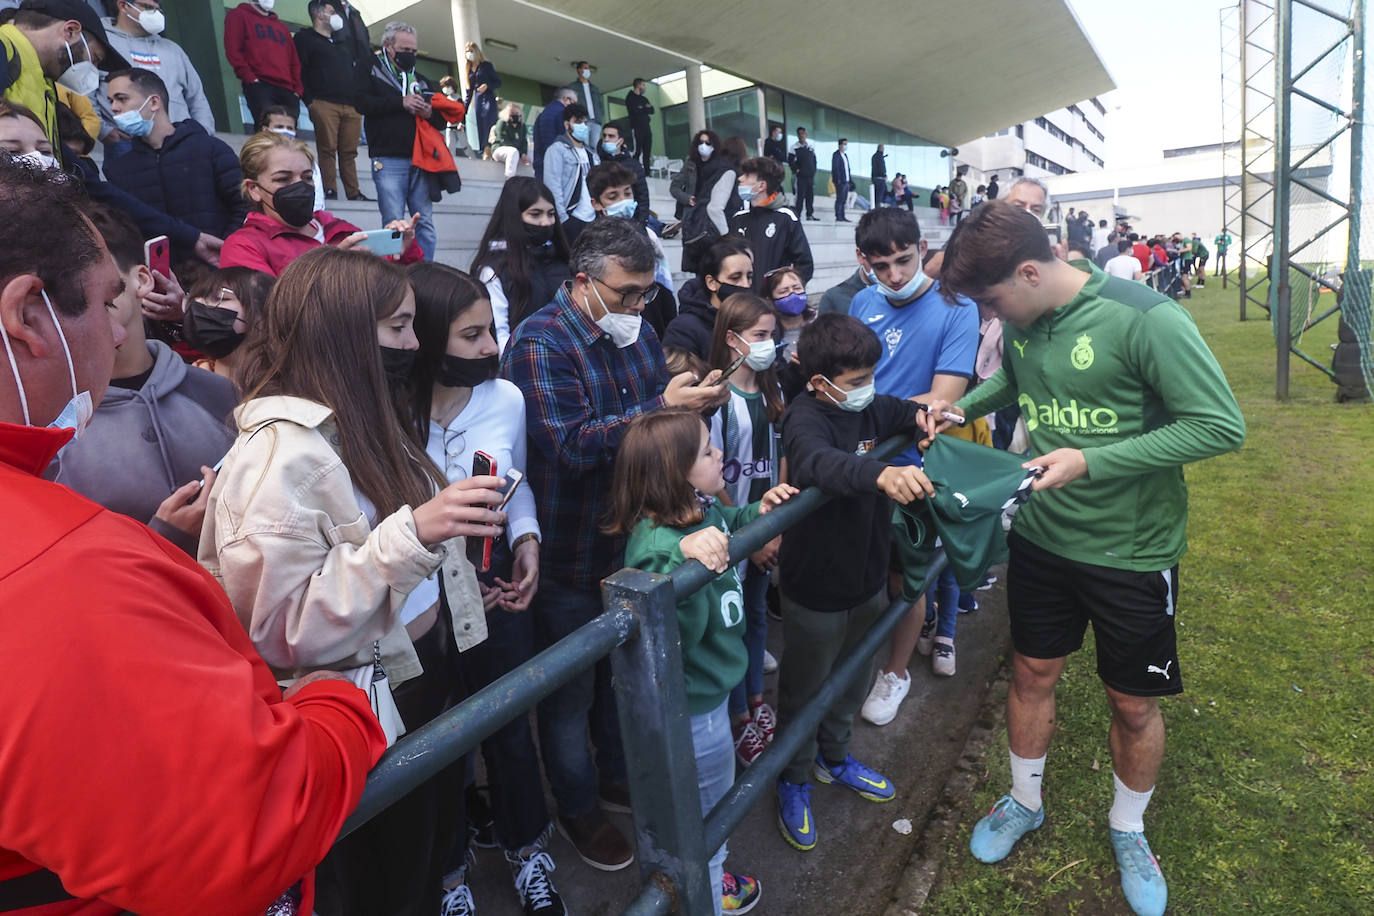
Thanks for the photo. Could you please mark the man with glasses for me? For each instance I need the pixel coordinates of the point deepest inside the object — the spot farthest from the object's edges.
(589, 364)
(136, 33)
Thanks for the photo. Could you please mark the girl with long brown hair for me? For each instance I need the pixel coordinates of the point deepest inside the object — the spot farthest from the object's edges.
(665, 472)
(336, 539)
(745, 430)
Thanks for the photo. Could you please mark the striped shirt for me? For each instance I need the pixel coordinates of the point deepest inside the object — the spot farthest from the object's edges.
(581, 392)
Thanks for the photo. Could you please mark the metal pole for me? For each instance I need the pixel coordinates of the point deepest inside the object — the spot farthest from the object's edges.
(656, 732)
(1280, 297)
(1357, 115)
(1244, 146)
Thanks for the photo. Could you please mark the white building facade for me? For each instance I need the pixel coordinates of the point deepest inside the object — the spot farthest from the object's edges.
(1065, 141)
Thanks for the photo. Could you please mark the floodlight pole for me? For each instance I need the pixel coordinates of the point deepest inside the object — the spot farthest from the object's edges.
(1282, 294)
(1244, 152)
(1357, 116)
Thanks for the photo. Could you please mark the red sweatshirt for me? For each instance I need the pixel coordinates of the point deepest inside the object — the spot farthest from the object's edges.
(267, 245)
(146, 755)
(260, 48)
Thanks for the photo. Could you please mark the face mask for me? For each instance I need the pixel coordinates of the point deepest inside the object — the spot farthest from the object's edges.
(611, 147)
(457, 372)
(871, 278)
(405, 61)
(579, 132)
(704, 150)
(538, 236)
(762, 354)
(792, 304)
(295, 203)
(729, 289)
(586, 74)
(133, 123)
(284, 131)
(907, 291)
(746, 193)
(80, 77)
(623, 329)
(470, 56)
(210, 329)
(267, 5)
(397, 364)
(152, 21)
(855, 400)
(77, 412)
(336, 22)
(41, 160)
(622, 209)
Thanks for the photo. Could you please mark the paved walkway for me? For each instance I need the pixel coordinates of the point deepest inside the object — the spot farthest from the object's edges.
(861, 863)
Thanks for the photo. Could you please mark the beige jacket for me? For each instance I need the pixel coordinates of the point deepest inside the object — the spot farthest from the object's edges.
(312, 581)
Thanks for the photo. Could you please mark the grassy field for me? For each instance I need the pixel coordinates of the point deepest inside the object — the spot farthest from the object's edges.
(1265, 803)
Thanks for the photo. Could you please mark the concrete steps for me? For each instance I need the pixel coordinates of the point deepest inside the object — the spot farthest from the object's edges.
(460, 220)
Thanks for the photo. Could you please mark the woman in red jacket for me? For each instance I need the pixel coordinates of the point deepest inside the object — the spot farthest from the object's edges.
(278, 182)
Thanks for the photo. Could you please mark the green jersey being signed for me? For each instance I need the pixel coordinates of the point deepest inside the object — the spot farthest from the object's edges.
(1122, 374)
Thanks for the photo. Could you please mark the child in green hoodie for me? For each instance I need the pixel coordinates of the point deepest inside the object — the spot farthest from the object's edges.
(664, 469)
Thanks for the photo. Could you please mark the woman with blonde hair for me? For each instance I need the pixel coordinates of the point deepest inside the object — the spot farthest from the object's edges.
(482, 81)
(279, 185)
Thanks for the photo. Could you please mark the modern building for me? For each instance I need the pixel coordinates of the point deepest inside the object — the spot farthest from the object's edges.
(1064, 142)
(738, 69)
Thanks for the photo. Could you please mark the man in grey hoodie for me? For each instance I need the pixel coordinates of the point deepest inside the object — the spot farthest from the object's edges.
(136, 32)
(162, 425)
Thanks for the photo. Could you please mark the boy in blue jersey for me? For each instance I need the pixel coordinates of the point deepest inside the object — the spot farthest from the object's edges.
(928, 352)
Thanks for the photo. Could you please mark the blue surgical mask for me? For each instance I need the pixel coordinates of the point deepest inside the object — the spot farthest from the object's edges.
(746, 193)
(704, 150)
(623, 209)
(133, 123)
(871, 278)
(611, 147)
(580, 131)
(908, 289)
(855, 400)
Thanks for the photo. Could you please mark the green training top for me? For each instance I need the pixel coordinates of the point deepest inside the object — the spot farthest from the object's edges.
(1122, 373)
(1223, 242)
(710, 622)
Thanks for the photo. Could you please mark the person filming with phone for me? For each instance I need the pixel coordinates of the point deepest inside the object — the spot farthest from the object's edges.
(589, 364)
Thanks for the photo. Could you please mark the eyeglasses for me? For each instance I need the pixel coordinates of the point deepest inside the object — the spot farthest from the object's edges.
(786, 268)
(455, 444)
(630, 298)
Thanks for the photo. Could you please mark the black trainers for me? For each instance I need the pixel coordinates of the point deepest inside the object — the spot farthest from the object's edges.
(481, 821)
(597, 841)
(533, 885)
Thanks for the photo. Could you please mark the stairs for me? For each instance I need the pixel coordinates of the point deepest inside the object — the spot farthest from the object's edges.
(460, 219)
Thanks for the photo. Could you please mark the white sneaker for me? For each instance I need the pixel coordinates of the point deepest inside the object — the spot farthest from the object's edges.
(886, 696)
(942, 660)
(770, 664)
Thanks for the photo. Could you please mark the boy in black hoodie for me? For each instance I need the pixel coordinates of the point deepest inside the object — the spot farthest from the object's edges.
(838, 558)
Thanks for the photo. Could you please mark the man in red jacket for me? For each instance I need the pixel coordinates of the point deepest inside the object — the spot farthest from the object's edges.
(149, 762)
(259, 47)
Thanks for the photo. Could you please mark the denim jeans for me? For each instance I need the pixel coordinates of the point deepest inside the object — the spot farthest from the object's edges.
(945, 593)
(403, 190)
(587, 702)
(517, 786)
(715, 754)
(755, 636)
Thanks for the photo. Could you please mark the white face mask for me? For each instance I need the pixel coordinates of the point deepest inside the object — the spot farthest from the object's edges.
(762, 354)
(623, 329)
(470, 56)
(77, 413)
(40, 159)
(82, 77)
(704, 150)
(267, 5)
(586, 74)
(855, 399)
(152, 21)
(336, 22)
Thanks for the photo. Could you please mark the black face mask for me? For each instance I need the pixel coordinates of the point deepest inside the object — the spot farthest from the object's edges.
(295, 203)
(405, 61)
(729, 289)
(457, 372)
(210, 329)
(397, 363)
(538, 235)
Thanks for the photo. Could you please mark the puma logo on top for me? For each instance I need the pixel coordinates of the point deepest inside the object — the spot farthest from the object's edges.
(1162, 672)
(1020, 347)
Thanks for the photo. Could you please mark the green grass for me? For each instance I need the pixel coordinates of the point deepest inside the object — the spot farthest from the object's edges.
(1266, 797)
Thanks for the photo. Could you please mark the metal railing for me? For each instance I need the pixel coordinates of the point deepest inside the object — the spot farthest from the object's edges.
(639, 631)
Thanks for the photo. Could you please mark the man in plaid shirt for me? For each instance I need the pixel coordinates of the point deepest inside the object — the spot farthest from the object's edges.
(588, 365)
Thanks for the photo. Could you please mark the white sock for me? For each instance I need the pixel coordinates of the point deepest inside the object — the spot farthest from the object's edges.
(1026, 775)
(1128, 807)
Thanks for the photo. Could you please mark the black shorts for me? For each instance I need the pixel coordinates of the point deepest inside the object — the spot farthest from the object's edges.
(1052, 599)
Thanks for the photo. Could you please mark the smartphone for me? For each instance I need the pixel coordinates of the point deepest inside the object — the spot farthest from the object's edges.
(730, 369)
(513, 479)
(384, 241)
(479, 549)
(157, 254)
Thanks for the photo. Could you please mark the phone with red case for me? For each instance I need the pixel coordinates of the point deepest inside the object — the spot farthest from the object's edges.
(479, 549)
(157, 254)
